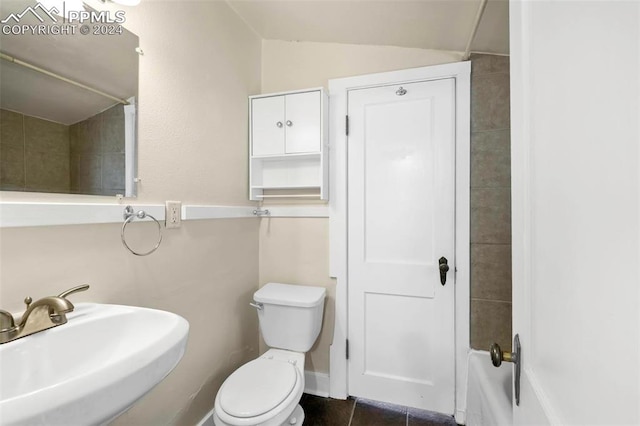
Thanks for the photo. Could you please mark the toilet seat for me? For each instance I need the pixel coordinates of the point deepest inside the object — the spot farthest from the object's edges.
(261, 386)
(257, 387)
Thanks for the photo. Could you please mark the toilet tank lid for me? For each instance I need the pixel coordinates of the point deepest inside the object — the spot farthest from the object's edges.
(303, 296)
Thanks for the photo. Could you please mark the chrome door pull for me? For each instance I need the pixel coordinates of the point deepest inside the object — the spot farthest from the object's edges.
(497, 356)
(444, 268)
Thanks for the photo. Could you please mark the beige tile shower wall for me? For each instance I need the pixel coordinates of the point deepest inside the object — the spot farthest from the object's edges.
(11, 150)
(34, 154)
(200, 63)
(97, 153)
(296, 250)
(490, 203)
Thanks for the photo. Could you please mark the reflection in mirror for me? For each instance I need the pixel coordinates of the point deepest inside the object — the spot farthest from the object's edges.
(67, 108)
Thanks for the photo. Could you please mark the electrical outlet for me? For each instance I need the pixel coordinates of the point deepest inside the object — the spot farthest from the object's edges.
(173, 214)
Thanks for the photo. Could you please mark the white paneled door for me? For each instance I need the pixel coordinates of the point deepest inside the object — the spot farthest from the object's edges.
(401, 170)
(576, 210)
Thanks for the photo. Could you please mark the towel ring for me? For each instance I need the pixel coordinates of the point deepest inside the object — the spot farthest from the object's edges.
(129, 216)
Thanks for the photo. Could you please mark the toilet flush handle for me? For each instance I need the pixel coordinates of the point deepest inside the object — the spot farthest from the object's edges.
(256, 305)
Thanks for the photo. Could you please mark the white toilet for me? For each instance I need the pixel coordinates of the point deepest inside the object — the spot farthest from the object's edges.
(266, 391)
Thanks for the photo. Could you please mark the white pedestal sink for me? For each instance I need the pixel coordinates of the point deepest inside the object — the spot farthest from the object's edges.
(91, 369)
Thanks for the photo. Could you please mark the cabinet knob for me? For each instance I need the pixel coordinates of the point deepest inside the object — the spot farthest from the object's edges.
(279, 124)
(289, 123)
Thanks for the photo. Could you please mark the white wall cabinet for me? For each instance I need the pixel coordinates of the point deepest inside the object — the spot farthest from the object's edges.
(288, 145)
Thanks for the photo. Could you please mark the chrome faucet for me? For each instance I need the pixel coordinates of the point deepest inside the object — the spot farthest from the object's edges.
(40, 315)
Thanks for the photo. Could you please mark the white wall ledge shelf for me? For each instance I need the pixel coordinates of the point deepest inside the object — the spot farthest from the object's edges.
(30, 214)
(21, 214)
(296, 211)
(314, 196)
(199, 212)
(287, 156)
(287, 187)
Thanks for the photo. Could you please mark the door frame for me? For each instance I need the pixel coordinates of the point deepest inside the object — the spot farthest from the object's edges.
(338, 231)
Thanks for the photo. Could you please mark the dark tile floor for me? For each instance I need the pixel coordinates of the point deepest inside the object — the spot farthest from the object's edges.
(320, 411)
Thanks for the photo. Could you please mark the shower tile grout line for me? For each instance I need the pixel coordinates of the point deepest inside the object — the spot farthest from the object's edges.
(491, 300)
(478, 76)
(489, 130)
(492, 244)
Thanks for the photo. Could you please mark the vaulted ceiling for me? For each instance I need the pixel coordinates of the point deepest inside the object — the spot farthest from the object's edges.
(426, 24)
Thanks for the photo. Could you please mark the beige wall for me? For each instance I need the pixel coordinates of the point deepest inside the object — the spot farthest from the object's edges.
(200, 62)
(290, 65)
(296, 250)
(206, 271)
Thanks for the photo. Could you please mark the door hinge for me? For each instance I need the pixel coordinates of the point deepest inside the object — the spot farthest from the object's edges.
(347, 349)
(346, 125)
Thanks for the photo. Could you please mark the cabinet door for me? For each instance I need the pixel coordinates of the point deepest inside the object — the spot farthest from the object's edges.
(267, 126)
(302, 122)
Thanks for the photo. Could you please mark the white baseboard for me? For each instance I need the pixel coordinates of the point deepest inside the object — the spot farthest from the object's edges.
(460, 417)
(316, 383)
(207, 420)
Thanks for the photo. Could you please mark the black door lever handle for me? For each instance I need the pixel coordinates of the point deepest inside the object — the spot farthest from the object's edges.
(444, 268)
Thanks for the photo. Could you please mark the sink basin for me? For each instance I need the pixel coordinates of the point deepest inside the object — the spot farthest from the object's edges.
(91, 369)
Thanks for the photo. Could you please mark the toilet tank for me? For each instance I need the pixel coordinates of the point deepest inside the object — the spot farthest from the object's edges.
(290, 316)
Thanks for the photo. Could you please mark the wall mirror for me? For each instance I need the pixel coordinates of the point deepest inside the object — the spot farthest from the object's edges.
(67, 104)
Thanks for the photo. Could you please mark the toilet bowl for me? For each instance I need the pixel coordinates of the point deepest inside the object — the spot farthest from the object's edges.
(267, 390)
